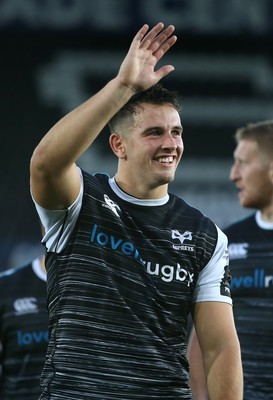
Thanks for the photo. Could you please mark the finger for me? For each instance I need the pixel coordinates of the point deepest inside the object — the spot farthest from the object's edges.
(164, 47)
(141, 33)
(163, 71)
(163, 38)
(151, 35)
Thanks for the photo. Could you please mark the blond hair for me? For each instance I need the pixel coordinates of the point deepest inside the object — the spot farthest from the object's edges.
(261, 133)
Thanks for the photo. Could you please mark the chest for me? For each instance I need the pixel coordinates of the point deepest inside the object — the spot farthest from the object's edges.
(251, 266)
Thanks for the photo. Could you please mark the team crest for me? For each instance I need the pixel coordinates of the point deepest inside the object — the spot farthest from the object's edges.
(182, 237)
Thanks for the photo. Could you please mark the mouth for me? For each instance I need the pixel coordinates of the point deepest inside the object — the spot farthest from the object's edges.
(240, 193)
(166, 160)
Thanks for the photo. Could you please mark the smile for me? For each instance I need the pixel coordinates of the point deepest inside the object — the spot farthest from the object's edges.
(166, 160)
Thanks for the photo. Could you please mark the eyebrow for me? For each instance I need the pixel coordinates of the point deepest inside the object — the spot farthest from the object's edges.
(177, 127)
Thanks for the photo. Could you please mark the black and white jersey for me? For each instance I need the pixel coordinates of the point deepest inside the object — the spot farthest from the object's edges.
(121, 290)
(23, 331)
(251, 263)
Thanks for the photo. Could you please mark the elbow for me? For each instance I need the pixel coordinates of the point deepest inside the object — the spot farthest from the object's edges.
(39, 167)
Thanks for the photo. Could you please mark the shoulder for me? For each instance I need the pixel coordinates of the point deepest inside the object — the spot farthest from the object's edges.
(97, 182)
(241, 227)
(193, 218)
(246, 221)
(95, 177)
(12, 273)
(178, 201)
(181, 206)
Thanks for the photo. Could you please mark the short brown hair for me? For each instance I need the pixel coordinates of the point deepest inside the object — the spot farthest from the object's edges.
(156, 94)
(261, 133)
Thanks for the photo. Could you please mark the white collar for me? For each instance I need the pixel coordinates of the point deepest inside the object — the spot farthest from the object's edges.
(135, 200)
(261, 223)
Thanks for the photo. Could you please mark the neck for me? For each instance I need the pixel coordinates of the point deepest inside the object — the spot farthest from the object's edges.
(141, 192)
(267, 216)
(266, 213)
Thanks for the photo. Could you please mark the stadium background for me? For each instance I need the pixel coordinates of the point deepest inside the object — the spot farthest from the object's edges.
(56, 53)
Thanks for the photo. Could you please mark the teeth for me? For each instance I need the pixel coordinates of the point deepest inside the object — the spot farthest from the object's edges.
(165, 159)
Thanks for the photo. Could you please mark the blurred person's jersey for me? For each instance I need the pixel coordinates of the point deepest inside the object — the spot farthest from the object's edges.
(23, 330)
(251, 264)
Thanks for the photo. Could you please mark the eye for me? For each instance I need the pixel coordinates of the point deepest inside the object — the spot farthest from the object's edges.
(177, 132)
(155, 132)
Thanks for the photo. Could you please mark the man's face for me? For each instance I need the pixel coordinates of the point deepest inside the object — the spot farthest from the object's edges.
(250, 173)
(153, 148)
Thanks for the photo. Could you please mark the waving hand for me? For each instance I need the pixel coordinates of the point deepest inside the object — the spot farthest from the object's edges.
(138, 68)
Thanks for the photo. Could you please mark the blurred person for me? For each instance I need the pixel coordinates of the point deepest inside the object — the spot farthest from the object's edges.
(23, 330)
(126, 260)
(251, 262)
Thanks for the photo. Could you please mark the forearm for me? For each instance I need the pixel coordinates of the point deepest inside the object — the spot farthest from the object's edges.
(198, 381)
(74, 133)
(225, 376)
(70, 137)
(54, 177)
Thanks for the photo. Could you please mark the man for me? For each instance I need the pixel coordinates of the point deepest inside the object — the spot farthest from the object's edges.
(23, 330)
(251, 257)
(127, 260)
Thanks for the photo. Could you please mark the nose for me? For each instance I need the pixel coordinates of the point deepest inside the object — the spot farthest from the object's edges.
(234, 172)
(170, 142)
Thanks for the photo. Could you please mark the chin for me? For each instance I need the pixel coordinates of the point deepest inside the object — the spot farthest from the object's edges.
(165, 180)
(169, 177)
(246, 204)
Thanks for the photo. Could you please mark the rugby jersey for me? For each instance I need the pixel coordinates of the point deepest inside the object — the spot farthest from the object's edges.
(120, 293)
(251, 262)
(23, 331)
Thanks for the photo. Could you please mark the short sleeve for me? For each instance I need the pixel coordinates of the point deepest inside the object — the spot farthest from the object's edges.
(213, 280)
(59, 224)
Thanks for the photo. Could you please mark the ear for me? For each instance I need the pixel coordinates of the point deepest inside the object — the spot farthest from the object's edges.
(116, 142)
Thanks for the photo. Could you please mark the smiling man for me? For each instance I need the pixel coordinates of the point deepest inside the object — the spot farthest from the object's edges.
(150, 148)
(128, 261)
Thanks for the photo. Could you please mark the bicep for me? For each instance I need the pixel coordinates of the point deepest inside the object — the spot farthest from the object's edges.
(56, 191)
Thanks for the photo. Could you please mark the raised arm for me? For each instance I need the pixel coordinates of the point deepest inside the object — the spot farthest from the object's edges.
(54, 177)
(222, 376)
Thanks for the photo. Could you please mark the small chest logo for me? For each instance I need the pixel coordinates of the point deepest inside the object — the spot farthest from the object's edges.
(238, 250)
(187, 235)
(25, 305)
(111, 205)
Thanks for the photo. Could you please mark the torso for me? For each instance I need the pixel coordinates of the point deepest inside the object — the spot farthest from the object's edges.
(24, 333)
(120, 295)
(251, 262)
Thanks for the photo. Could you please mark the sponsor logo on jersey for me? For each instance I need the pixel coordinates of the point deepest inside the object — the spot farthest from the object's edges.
(238, 250)
(29, 338)
(256, 280)
(108, 203)
(181, 237)
(167, 273)
(116, 244)
(25, 305)
(225, 282)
